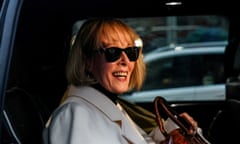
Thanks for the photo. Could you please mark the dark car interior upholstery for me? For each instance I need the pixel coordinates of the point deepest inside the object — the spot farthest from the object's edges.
(24, 117)
(225, 125)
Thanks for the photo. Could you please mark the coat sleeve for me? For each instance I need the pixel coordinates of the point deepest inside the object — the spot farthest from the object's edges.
(66, 126)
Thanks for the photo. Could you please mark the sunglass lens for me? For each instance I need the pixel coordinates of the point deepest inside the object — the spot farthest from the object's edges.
(112, 54)
(132, 53)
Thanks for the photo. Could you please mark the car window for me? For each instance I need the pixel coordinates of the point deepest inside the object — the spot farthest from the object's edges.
(186, 70)
(172, 30)
(184, 56)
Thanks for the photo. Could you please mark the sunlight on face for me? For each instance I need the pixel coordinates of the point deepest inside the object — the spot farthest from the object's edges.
(114, 76)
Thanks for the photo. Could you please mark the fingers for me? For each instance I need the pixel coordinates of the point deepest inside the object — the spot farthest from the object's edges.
(191, 121)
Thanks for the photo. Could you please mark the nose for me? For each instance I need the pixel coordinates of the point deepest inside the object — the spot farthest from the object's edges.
(124, 59)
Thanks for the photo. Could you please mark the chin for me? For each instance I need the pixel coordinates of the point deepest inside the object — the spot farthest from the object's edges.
(121, 91)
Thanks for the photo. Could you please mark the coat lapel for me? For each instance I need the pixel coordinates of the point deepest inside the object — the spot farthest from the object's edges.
(113, 112)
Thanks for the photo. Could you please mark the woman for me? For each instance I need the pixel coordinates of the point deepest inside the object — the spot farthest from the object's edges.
(106, 60)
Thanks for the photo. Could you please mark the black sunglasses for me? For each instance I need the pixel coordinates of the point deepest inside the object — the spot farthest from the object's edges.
(113, 53)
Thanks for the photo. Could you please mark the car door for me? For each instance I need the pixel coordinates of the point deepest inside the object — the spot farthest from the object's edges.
(9, 13)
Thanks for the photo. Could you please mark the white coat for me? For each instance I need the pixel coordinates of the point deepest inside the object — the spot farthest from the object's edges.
(89, 117)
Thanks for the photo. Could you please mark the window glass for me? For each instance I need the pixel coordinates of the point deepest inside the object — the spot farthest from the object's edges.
(194, 72)
(172, 30)
(184, 56)
(184, 71)
(159, 74)
(213, 69)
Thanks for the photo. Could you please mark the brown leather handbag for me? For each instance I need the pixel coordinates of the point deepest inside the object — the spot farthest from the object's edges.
(182, 135)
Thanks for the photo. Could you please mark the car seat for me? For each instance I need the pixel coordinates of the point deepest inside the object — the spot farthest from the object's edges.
(226, 123)
(24, 119)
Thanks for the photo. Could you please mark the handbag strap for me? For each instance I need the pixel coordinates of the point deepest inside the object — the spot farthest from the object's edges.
(161, 103)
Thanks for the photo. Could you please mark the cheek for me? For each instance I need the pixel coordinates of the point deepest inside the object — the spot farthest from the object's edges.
(103, 74)
(132, 65)
(100, 68)
(105, 69)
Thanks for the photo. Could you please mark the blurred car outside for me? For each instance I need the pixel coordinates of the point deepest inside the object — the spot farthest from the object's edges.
(184, 72)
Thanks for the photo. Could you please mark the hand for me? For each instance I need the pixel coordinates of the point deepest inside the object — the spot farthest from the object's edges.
(191, 121)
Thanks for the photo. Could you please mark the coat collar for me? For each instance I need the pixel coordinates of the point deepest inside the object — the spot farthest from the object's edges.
(104, 104)
(98, 99)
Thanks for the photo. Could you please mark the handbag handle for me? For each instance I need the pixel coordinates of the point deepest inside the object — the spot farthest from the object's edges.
(160, 102)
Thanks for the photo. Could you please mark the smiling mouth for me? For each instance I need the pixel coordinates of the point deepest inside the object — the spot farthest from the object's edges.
(120, 74)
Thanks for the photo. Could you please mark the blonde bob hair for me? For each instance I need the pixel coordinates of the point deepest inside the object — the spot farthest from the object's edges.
(88, 38)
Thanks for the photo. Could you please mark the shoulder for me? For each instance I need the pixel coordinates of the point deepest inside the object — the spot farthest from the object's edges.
(73, 106)
(69, 112)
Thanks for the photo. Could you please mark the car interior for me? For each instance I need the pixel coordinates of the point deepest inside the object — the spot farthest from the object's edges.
(35, 82)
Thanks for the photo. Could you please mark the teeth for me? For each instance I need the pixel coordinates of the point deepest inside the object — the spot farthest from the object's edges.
(120, 74)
